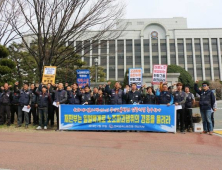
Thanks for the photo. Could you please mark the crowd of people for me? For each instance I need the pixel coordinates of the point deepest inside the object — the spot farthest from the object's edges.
(42, 100)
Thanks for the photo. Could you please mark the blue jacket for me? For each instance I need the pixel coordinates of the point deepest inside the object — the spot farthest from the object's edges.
(164, 97)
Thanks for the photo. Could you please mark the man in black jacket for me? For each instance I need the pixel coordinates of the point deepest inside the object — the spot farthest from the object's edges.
(5, 101)
(87, 98)
(60, 98)
(148, 96)
(51, 111)
(33, 105)
(43, 99)
(180, 99)
(25, 97)
(207, 104)
(74, 96)
(133, 96)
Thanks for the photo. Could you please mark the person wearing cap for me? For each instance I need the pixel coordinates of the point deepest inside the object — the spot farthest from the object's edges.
(180, 99)
(190, 101)
(43, 100)
(207, 104)
(133, 96)
(25, 99)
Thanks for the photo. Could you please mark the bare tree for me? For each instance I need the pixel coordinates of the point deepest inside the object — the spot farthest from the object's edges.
(9, 10)
(217, 86)
(53, 24)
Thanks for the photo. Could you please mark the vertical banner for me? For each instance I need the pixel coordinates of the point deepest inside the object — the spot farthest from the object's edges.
(159, 74)
(49, 75)
(136, 76)
(83, 77)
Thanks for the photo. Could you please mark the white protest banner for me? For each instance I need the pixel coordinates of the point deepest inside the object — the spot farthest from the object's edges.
(136, 76)
(159, 74)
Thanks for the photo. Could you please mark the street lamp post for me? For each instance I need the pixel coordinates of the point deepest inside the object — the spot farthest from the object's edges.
(96, 64)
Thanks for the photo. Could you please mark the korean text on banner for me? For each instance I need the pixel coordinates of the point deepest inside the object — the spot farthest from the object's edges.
(49, 75)
(159, 74)
(83, 77)
(136, 76)
(156, 118)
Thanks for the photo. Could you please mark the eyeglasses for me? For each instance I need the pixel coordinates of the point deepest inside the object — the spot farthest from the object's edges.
(204, 85)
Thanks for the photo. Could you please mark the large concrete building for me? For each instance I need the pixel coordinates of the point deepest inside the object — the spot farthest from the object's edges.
(146, 42)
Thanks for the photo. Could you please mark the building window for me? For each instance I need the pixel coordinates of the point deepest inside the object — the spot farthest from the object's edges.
(189, 59)
(155, 60)
(206, 59)
(103, 46)
(173, 59)
(112, 60)
(215, 59)
(79, 47)
(190, 70)
(138, 52)
(146, 46)
(103, 62)
(95, 48)
(71, 43)
(207, 72)
(87, 60)
(197, 46)
(206, 45)
(129, 60)
(120, 73)
(214, 44)
(146, 61)
(129, 53)
(155, 46)
(111, 47)
(181, 60)
(180, 46)
(198, 59)
(129, 46)
(216, 73)
(199, 73)
(172, 48)
(86, 47)
(189, 45)
(112, 72)
(147, 70)
(163, 47)
(164, 59)
(120, 47)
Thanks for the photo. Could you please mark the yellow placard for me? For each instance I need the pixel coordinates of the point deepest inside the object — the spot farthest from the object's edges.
(49, 75)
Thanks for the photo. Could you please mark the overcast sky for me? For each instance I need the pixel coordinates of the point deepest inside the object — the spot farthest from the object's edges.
(199, 13)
